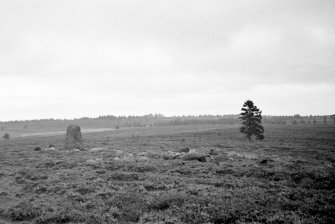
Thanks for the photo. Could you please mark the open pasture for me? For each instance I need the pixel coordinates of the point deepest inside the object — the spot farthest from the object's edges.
(287, 178)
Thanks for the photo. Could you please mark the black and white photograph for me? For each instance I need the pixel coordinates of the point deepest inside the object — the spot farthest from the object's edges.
(167, 111)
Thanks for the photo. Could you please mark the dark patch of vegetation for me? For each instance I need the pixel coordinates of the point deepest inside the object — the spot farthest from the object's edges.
(23, 211)
(6, 136)
(37, 149)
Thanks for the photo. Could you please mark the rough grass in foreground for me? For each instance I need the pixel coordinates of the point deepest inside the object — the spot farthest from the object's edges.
(288, 178)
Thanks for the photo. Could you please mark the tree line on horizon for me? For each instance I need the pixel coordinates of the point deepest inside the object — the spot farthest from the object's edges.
(110, 121)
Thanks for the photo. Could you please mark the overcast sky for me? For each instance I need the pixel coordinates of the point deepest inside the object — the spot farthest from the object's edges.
(75, 58)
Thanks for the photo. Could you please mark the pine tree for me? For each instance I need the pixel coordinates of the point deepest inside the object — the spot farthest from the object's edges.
(251, 118)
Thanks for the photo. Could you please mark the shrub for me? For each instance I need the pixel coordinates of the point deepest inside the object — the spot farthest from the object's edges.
(6, 136)
(23, 211)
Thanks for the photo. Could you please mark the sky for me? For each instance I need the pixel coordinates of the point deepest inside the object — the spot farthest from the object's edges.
(79, 58)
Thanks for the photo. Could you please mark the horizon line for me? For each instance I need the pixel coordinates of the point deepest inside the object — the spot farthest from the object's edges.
(156, 114)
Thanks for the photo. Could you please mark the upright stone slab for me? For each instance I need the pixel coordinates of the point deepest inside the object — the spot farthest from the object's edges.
(73, 138)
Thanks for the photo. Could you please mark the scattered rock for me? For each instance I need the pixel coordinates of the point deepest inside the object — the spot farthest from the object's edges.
(142, 156)
(95, 149)
(195, 156)
(125, 156)
(213, 152)
(173, 155)
(192, 151)
(95, 161)
(128, 157)
(184, 150)
(220, 159)
(73, 138)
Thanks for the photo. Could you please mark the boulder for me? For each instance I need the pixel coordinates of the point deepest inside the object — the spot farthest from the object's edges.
(184, 150)
(196, 156)
(125, 156)
(192, 151)
(128, 157)
(173, 155)
(142, 156)
(213, 152)
(73, 138)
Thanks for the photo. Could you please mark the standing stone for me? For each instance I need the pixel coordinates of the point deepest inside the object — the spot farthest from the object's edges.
(73, 138)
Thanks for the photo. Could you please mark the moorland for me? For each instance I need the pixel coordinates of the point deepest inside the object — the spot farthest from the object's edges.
(289, 177)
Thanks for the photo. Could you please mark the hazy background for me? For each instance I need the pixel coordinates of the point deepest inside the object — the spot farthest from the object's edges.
(65, 59)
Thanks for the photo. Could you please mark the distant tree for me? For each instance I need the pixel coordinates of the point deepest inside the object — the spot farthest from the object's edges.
(314, 121)
(251, 118)
(333, 116)
(294, 122)
(297, 116)
(325, 120)
(6, 136)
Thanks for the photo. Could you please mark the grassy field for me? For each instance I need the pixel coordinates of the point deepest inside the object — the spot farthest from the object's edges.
(287, 178)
